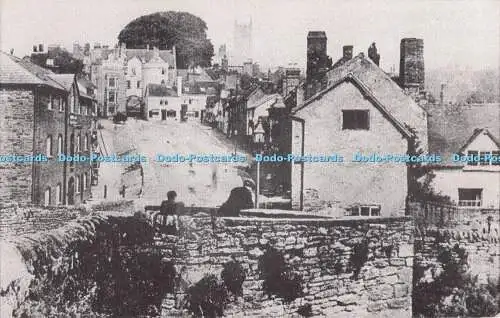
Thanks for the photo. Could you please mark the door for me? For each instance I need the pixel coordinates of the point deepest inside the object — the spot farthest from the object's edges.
(184, 108)
(163, 114)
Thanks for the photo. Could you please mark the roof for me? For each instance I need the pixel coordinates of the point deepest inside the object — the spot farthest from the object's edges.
(376, 85)
(65, 80)
(146, 55)
(14, 70)
(267, 100)
(160, 91)
(452, 127)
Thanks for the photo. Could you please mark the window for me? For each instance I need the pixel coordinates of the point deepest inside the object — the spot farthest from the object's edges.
(50, 103)
(162, 82)
(472, 155)
(84, 183)
(59, 194)
(59, 144)
(133, 70)
(62, 104)
(46, 197)
(77, 144)
(111, 96)
(364, 210)
(161, 101)
(71, 103)
(484, 158)
(162, 71)
(470, 197)
(166, 102)
(128, 84)
(355, 119)
(77, 184)
(171, 113)
(48, 146)
(112, 82)
(138, 84)
(85, 142)
(495, 158)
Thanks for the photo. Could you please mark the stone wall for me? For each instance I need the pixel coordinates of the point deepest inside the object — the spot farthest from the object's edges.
(320, 250)
(16, 137)
(482, 249)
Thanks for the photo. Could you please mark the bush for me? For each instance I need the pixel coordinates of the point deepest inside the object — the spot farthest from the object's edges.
(207, 298)
(233, 275)
(454, 291)
(278, 279)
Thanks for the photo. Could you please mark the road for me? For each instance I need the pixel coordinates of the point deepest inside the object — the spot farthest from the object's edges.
(195, 184)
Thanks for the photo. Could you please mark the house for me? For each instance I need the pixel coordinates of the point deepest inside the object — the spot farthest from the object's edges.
(41, 110)
(472, 132)
(162, 103)
(360, 110)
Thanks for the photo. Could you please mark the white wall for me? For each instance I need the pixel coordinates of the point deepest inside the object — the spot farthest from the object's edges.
(447, 181)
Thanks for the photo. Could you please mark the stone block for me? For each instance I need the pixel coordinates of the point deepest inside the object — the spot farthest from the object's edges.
(397, 262)
(398, 303)
(347, 299)
(409, 261)
(405, 250)
(400, 290)
(310, 252)
(381, 292)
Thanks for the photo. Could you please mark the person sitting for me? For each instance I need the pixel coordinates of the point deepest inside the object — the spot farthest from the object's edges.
(168, 215)
(239, 199)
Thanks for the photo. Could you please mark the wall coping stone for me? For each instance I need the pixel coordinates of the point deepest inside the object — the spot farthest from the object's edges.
(317, 221)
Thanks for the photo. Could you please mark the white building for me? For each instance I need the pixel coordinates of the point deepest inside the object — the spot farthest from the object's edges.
(473, 131)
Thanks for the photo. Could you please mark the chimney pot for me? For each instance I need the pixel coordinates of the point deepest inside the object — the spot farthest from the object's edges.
(347, 52)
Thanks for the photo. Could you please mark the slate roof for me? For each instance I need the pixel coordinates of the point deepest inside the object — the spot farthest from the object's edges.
(386, 95)
(65, 80)
(146, 55)
(451, 127)
(160, 91)
(268, 100)
(14, 70)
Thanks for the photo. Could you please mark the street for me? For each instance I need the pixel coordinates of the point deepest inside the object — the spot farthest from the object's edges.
(196, 184)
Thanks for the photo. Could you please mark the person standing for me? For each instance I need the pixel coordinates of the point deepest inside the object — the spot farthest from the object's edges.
(168, 213)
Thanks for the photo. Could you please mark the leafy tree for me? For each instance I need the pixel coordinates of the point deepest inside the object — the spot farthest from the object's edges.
(166, 29)
(419, 176)
(64, 62)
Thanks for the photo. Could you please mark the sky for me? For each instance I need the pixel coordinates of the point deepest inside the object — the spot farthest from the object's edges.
(460, 34)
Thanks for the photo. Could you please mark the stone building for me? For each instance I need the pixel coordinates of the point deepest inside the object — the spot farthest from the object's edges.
(36, 122)
(360, 111)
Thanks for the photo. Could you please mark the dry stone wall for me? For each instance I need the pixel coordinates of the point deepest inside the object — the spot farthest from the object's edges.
(321, 251)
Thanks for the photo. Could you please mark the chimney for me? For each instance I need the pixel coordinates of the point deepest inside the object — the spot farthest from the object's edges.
(373, 54)
(411, 64)
(347, 52)
(316, 54)
(179, 85)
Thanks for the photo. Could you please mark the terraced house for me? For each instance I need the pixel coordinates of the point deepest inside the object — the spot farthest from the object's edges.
(43, 115)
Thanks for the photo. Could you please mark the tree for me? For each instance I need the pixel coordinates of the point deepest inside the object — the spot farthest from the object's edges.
(64, 62)
(166, 29)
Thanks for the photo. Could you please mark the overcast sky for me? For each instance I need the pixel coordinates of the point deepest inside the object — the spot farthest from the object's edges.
(458, 33)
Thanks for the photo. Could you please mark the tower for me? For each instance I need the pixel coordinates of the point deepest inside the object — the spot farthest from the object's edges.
(411, 64)
(242, 43)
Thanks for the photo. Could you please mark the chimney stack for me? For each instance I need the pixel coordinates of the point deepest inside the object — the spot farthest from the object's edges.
(317, 58)
(347, 52)
(411, 64)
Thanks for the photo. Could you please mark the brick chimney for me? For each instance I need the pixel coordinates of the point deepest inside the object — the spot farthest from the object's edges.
(411, 64)
(347, 52)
